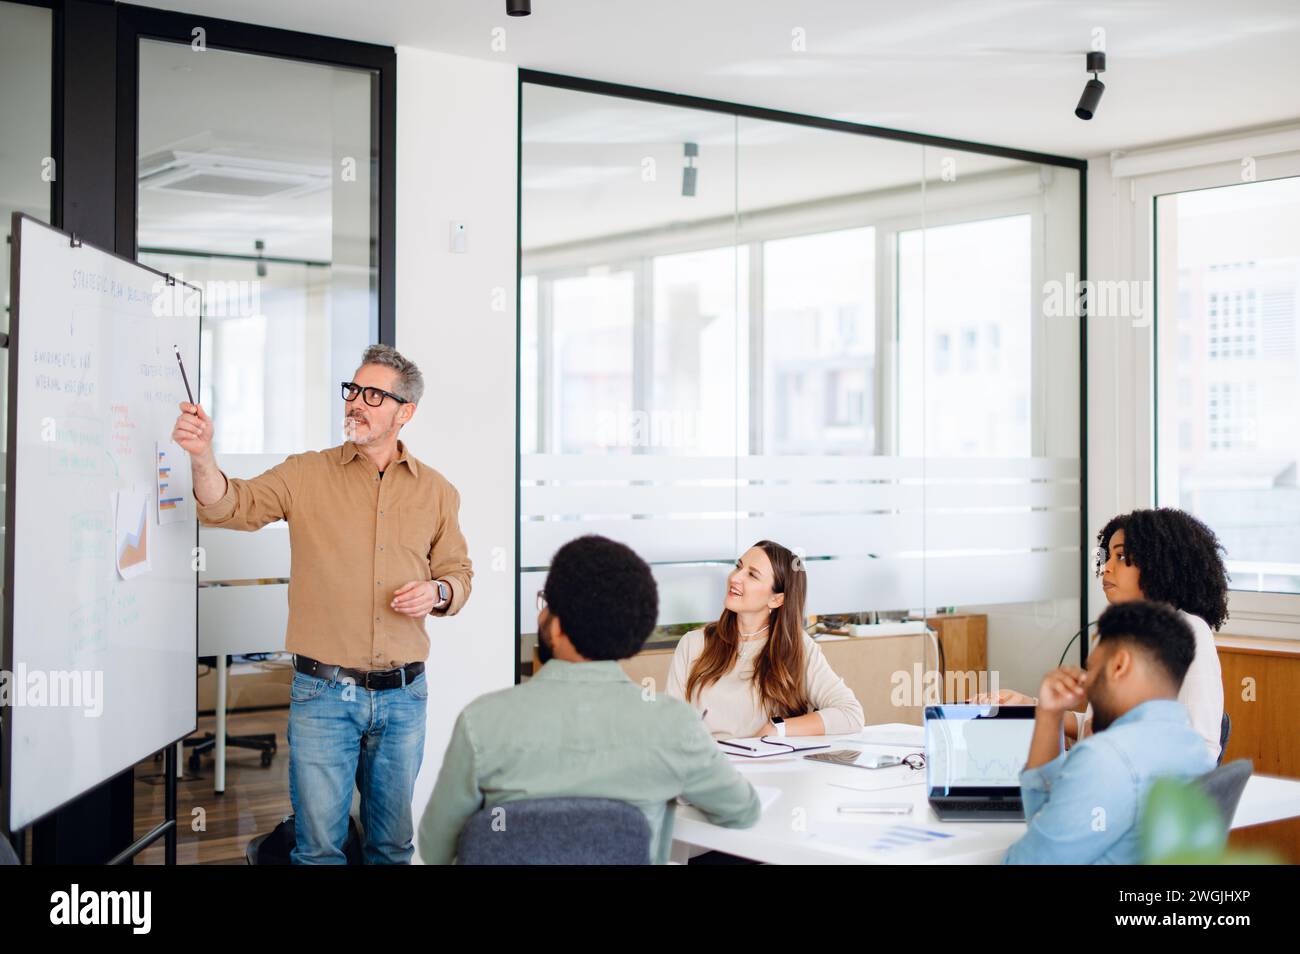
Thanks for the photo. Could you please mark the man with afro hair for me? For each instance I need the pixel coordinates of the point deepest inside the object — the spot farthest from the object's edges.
(580, 727)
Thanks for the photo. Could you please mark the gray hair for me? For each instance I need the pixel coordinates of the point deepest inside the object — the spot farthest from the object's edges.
(409, 383)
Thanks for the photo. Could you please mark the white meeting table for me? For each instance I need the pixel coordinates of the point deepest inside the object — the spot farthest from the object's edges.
(801, 824)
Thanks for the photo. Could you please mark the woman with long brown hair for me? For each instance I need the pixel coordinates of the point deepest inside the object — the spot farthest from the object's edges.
(755, 672)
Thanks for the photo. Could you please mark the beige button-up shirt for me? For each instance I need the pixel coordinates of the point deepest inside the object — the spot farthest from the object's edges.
(355, 538)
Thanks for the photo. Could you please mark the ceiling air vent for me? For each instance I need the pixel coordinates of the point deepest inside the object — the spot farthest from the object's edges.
(231, 176)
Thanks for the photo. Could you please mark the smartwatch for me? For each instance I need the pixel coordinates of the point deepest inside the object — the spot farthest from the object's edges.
(778, 723)
(444, 593)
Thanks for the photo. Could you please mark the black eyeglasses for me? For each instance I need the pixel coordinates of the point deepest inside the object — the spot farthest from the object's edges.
(372, 396)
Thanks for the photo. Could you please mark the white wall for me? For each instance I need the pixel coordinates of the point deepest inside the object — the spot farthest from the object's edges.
(1119, 352)
(456, 151)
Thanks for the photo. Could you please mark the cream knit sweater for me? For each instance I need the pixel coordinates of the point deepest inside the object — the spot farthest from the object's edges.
(732, 704)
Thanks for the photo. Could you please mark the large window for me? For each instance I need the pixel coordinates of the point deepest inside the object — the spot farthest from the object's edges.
(736, 328)
(1228, 274)
(966, 306)
(819, 343)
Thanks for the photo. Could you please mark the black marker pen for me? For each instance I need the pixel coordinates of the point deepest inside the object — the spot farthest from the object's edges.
(183, 377)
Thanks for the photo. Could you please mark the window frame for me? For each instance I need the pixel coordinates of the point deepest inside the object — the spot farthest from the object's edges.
(1250, 613)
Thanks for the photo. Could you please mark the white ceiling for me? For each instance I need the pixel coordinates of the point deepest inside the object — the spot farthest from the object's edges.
(1007, 72)
(585, 162)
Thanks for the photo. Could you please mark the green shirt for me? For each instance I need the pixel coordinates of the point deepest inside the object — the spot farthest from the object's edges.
(582, 730)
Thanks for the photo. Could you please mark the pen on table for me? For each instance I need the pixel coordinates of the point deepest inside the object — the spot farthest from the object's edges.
(869, 809)
(177, 349)
(737, 745)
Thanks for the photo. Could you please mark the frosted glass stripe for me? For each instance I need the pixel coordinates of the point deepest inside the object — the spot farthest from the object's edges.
(1009, 578)
(656, 467)
(833, 535)
(574, 500)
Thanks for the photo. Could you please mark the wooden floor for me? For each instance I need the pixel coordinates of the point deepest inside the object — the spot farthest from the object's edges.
(255, 801)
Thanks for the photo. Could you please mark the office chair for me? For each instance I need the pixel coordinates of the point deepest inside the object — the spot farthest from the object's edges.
(1225, 785)
(1225, 733)
(556, 831)
(206, 743)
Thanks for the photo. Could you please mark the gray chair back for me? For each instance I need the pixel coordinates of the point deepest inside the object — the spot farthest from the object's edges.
(1225, 785)
(1225, 733)
(556, 831)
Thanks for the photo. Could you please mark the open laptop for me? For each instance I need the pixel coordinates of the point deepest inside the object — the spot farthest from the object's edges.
(973, 759)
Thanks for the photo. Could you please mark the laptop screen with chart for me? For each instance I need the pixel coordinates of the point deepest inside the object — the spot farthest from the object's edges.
(976, 752)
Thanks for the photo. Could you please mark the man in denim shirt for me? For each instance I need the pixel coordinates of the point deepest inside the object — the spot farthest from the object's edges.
(1083, 808)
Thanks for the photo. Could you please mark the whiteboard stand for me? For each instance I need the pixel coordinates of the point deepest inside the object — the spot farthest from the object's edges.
(92, 396)
(219, 753)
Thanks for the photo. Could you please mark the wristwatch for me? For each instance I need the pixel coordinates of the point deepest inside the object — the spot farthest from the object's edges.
(778, 723)
(444, 594)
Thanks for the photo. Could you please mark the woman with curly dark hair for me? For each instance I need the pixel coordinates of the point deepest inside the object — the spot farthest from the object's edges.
(1169, 556)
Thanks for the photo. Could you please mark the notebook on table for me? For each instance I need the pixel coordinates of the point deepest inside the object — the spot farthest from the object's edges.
(768, 746)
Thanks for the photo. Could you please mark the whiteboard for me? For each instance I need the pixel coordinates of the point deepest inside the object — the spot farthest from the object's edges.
(100, 634)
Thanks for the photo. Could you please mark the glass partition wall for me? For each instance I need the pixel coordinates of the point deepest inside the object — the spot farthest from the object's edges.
(736, 327)
(256, 182)
(26, 161)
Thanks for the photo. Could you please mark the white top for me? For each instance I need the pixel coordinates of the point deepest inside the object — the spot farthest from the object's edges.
(732, 704)
(1202, 691)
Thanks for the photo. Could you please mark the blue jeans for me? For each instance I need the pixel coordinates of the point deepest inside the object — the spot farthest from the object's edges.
(342, 735)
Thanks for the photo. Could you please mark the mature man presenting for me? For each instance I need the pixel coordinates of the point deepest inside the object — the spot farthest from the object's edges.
(375, 548)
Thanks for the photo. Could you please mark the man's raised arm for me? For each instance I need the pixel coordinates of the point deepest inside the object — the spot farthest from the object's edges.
(232, 504)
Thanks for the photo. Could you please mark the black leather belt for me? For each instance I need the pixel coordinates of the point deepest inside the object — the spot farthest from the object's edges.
(366, 679)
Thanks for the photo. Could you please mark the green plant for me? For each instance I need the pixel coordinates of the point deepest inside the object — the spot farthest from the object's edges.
(1181, 825)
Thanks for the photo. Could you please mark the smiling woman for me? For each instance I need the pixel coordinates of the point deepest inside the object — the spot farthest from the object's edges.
(755, 671)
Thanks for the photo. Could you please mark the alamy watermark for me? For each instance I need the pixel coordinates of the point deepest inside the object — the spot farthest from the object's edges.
(1071, 298)
(57, 689)
(233, 299)
(629, 427)
(921, 687)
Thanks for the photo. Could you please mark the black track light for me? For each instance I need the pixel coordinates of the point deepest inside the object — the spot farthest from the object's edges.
(519, 8)
(690, 174)
(1093, 89)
